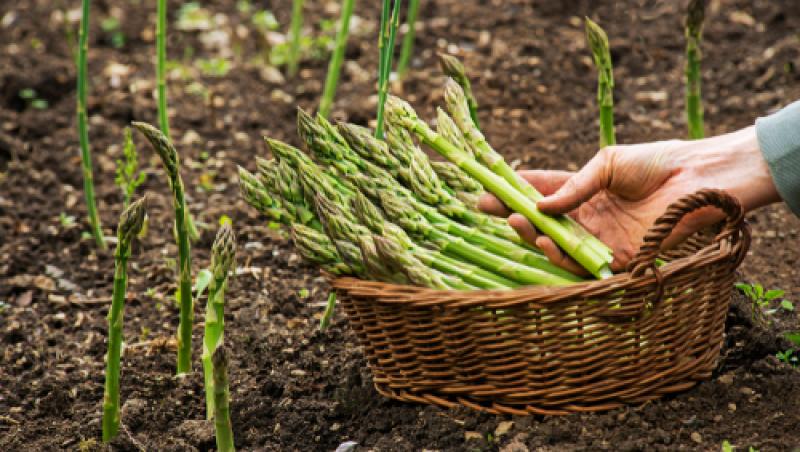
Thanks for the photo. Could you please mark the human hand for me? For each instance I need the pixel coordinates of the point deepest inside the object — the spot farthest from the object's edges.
(620, 193)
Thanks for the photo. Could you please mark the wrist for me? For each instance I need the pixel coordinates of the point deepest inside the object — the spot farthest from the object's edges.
(734, 162)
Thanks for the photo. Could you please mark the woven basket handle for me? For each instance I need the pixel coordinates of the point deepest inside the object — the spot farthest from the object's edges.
(666, 223)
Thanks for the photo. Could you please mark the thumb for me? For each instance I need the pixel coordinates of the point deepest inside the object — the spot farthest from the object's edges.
(579, 188)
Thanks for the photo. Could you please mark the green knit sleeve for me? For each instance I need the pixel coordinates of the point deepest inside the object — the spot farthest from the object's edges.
(779, 139)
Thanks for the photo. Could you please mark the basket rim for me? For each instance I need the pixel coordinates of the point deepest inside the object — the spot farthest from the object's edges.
(392, 293)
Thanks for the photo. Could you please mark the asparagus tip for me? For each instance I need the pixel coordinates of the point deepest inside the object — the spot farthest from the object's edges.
(223, 251)
(695, 15)
(131, 220)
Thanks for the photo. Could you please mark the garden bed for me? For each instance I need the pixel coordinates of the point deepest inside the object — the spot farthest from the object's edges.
(294, 387)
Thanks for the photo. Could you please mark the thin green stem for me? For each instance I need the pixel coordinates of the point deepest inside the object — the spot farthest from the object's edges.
(408, 40)
(294, 37)
(386, 48)
(169, 157)
(130, 224)
(330, 306)
(694, 34)
(83, 128)
(335, 65)
(111, 393)
(222, 418)
(213, 331)
(161, 67)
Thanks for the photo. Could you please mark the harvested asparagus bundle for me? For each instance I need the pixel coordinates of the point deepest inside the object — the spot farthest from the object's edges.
(453, 68)
(130, 223)
(496, 177)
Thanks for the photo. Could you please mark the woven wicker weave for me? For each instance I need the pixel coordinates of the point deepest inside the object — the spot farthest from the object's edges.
(556, 350)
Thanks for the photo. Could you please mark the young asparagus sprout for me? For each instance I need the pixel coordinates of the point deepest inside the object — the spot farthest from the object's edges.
(294, 37)
(130, 223)
(408, 40)
(169, 157)
(598, 43)
(128, 176)
(573, 241)
(694, 34)
(335, 65)
(386, 39)
(454, 69)
(223, 253)
(83, 128)
(328, 314)
(222, 417)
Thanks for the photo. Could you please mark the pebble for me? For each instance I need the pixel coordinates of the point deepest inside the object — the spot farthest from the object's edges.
(732, 407)
(472, 435)
(503, 428)
(746, 391)
(696, 437)
(726, 379)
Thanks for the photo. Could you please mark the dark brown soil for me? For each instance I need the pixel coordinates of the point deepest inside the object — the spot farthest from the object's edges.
(293, 387)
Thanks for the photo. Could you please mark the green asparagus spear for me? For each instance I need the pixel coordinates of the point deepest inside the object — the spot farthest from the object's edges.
(83, 128)
(130, 223)
(222, 418)
(452, 67)
(598, 43)
(335, 65)
(694, 35)
(570, 240)
(169, 157)
(223, 252)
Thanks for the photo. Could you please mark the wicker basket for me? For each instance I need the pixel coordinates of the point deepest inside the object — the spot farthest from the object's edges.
(557, 350)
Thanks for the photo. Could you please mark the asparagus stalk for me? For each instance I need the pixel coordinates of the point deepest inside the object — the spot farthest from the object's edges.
(328, 314)
(456, 179)
(223, 252)
(569, 239)
(256, 195)
(83, 128)
(415, 224)
(401, 260)
(694, 34)
(480, 149)
(169, 157)
(222, 418)
(408, 39)
(386, 51)
(374, 188)
(598, 43)
(452, 68)
(161, 70)
(317, 248)
(130, 223)
(370, 216)
(335, 65)
(294, 37)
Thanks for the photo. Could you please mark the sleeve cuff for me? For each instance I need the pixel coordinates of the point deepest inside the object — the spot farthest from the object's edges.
(779, 139)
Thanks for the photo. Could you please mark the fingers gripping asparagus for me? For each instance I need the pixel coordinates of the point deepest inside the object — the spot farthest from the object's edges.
(576, 245)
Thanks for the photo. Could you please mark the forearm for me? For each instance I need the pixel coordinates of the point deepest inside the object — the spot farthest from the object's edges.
(779, 142)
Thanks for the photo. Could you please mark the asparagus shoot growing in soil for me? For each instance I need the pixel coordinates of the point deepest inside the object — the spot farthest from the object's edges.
(694, 34)
(453, 68)
(169, 157)
(598, 43)
(294, 37)
(161, 66)
(128, 176)
(130, 223)
(161, 70)
(83, 128)
(335, 65)
(573, 241)
(330, 306)
(407, 49)
(386, 37)
(222, 395)
(223, 252)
